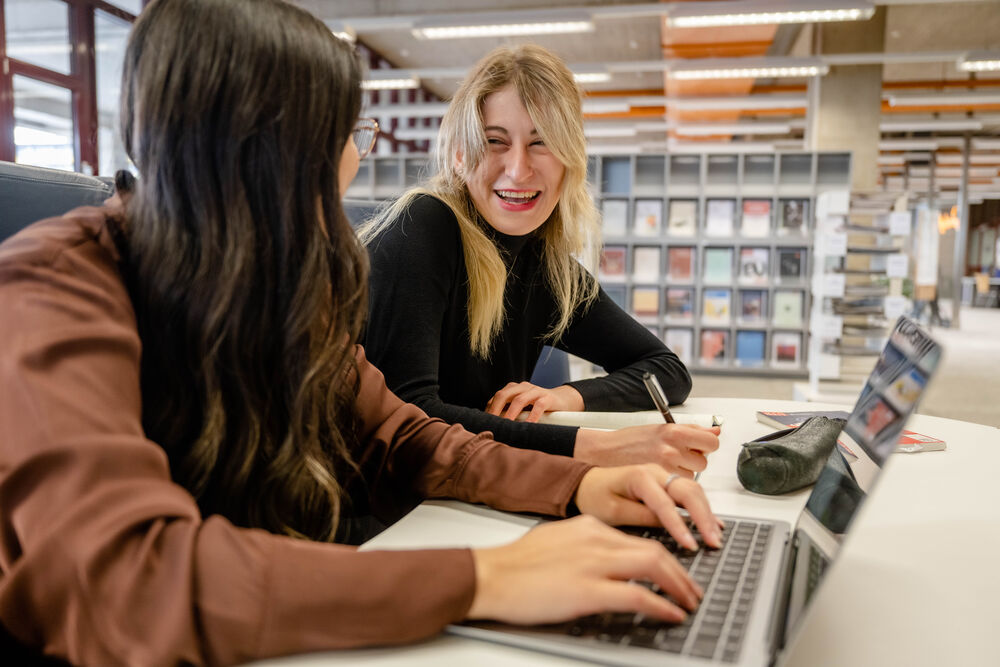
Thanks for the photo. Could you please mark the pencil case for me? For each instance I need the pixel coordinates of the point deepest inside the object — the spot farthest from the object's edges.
(790, 459)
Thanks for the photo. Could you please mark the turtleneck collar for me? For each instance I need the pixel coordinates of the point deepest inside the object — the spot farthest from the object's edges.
(510, 245)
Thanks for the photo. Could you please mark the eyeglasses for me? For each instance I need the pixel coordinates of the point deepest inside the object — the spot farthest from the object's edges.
(365, 133)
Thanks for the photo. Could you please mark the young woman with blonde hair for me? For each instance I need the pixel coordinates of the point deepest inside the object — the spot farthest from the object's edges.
(189, 423)
(475, 271)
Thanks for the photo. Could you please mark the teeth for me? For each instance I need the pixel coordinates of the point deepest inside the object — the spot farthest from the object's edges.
(510, 194)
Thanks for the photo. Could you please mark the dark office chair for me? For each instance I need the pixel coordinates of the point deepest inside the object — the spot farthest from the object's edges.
(552, 368)
(28, 194)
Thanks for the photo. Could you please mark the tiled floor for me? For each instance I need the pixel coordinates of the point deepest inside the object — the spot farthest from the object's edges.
(967, 385)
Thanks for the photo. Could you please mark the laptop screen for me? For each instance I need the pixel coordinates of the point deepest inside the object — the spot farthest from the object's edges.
(889, 397)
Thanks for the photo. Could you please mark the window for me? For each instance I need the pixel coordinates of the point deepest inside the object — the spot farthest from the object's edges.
(60, 72)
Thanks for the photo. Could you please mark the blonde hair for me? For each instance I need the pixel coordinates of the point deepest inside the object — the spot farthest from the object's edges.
(549, 93)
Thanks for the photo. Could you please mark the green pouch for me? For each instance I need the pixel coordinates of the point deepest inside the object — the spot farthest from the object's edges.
(788, 460)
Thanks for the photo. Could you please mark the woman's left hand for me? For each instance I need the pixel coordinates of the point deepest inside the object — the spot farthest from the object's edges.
(516, 396)
(647, 495)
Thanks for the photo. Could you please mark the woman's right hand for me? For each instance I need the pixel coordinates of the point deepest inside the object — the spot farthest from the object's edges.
(572, 568)
(679, 448)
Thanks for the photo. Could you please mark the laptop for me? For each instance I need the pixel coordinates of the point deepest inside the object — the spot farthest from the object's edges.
(760, 583)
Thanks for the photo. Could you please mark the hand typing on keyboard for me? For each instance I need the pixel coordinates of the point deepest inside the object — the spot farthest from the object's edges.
(564, 570)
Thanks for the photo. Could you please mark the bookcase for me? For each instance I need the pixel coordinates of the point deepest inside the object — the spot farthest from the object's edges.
(712, 252)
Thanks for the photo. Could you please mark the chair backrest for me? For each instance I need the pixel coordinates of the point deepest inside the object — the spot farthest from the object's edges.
(28, 194)
(551, 369)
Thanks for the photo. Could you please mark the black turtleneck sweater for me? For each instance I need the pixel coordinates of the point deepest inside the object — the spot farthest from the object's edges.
(418, 332)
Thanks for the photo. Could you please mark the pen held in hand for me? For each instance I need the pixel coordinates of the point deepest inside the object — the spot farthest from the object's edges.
(659, 399)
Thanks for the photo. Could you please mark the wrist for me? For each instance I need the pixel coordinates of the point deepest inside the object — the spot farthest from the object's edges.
(588, 441)
(569, 398)
(483, 561)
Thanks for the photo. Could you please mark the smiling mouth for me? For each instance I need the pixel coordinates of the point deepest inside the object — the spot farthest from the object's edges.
(518, 196)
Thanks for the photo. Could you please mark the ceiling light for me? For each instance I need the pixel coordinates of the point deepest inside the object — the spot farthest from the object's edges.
(599, 131)
(711, 129)
(986, 144)
(700, 15)
(930, 125)
(483, 24)
(980, 61)
(907, 145)
(957, 158)
(942, 99)
(675, 146)
(415, 133)
(602, 106)
(591, 77)
(398, 83)
(737, 102)
(739, 68)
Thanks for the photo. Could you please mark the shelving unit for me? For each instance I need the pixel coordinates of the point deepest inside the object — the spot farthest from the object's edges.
(744, 313)
(740, 302)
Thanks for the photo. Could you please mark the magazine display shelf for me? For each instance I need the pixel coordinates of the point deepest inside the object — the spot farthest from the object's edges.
(713, 252)
(743, 304)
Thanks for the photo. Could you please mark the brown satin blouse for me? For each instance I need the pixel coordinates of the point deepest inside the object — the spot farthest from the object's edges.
(104, 560)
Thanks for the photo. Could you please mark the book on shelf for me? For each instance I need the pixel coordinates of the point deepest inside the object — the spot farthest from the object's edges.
(749, 349)
(715, 306)
(680, 264)
(787, 308)
(791, 265)
(617, 294)
(793, 217)
(719, 216)
(646, 264)
(680, 303)
(756, 218)
(712, 351)
(718, 266)
(680, 342)
(909, 441)
(614, 217)
(648, 217)
(786, 349)
(754, 264)
(612, 265)
(753, 306)
(683, 219)
(645, 301)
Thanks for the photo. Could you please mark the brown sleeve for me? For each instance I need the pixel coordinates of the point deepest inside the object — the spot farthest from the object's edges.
(452, 462)
(103, 560)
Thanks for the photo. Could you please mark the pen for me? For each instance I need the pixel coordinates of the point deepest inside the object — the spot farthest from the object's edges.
(659, 399)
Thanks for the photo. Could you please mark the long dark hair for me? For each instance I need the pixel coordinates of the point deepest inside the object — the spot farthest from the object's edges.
(247, 280)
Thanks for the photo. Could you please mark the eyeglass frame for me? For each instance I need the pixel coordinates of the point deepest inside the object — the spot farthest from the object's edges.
(365, 125)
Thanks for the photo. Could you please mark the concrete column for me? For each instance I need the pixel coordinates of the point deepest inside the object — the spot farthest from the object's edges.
(847, 102)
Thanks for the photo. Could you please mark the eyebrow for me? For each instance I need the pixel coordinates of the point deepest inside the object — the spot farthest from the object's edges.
(498, 128)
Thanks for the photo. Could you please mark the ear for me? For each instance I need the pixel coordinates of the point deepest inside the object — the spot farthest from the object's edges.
(458, 164)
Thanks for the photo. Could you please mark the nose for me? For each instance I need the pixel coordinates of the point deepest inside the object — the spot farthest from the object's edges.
(519, 164)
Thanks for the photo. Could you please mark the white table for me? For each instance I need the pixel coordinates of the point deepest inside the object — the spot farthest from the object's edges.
(916, 583)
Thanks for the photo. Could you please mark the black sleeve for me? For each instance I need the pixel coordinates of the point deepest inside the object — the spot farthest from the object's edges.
(606, 335)
(416, 265)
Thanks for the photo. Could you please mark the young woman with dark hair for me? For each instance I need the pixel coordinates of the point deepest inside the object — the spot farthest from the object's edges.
(189, 423)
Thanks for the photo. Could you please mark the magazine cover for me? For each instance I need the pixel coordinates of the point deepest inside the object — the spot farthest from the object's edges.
(683, 217)
(753, 306)
(614, 217)
(793, 217)
(713, 347)
(786, 349)
(791, 265)
(788, 308)
(749, 349)
(718, 266)
(754, 264)
(680, 264)
(756, 218)
(645, 301)
(719, 217)
(680, 342)
(680, 304)
(646, 264)
(648, 217)
(612, 263)
(715, 306)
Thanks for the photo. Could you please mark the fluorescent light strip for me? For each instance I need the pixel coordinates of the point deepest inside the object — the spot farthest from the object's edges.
(748, 73)
(763, 18)
(710, 129)
(390, 84)
(599, 131)
(601, 106)
(592, 77)
(930, 125)
(943, 99)
(503, 29)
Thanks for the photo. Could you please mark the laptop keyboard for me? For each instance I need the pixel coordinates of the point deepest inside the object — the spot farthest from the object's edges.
(729, 577)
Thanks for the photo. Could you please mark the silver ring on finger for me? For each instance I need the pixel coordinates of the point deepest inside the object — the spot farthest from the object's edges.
(670, 480)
